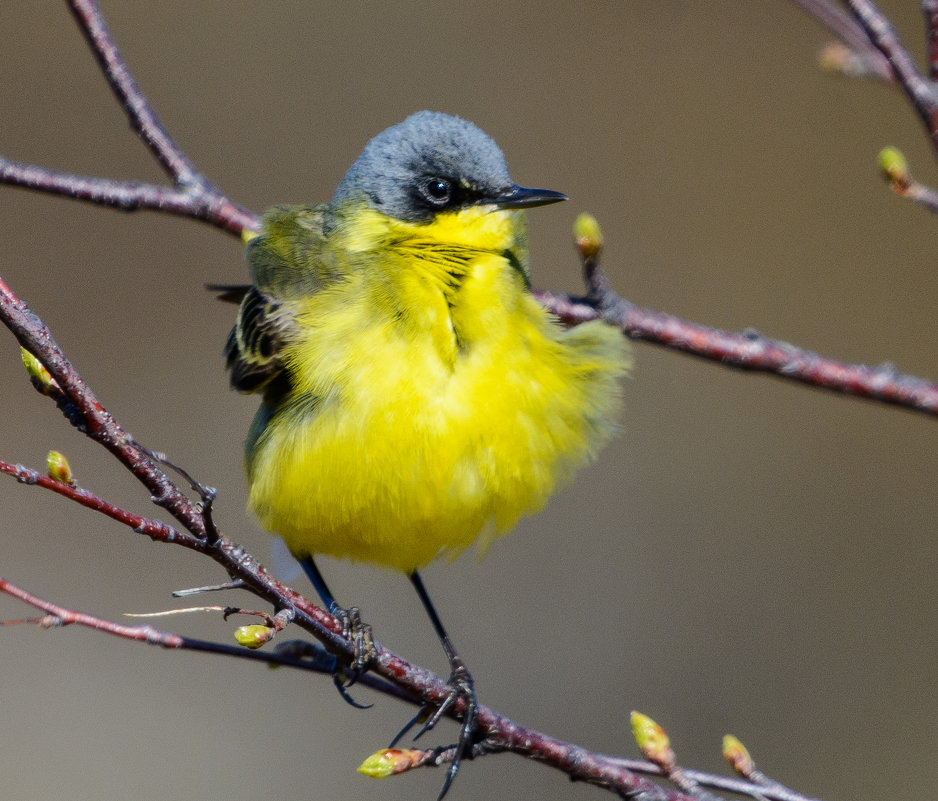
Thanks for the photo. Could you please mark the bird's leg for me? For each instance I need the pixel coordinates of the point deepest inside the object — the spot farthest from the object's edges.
(353, 629)
(461, 687)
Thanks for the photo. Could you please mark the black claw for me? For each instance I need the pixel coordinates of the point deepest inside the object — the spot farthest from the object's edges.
(435, 717)
(424, 711)
(353, 630)
(450, 775)
(461, 686)
(338, 678)
(359, 633)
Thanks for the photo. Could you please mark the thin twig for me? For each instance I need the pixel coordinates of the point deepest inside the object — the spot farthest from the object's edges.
(597, 768)
(211, 204)
(206, 494)
(95, 421)
(138, 109)
(726, 783)
(924, 195)
(850, 33)
(60, 616)
(751, 350)
(930, 10)
(198, 204)
(881, 33)
(192, 194)
(154, 529)
(896, 171)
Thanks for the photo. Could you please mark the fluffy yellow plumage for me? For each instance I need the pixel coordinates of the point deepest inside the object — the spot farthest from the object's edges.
(447, 403)
(416, 398)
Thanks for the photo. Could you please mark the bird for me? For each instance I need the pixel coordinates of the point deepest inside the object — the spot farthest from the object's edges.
(416, 399)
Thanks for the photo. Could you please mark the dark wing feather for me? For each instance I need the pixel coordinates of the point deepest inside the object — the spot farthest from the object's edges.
(229, 293)
(285, 263)
(252, 352)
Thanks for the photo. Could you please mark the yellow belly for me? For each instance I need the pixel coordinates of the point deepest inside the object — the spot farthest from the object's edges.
(401, 453)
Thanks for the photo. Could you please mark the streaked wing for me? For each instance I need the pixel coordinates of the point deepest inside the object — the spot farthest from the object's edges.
(252, 352)
(285, 263)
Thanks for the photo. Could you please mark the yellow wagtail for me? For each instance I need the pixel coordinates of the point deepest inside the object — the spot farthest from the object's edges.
(416, 397)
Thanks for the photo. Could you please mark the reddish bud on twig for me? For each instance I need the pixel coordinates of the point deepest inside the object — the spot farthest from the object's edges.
(58, 468)
(391, 761)
(737, 755)
(653, 741)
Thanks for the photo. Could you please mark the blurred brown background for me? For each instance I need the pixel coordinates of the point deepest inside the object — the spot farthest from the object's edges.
(750, 556)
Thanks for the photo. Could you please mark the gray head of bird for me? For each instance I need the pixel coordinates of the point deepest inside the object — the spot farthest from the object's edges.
(431, 163)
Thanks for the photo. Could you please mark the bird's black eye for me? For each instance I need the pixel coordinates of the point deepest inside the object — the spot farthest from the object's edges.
(438, 191)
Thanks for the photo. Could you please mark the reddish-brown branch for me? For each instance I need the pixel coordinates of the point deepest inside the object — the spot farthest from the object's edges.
(88, 415)
(896, 172)
(154, 529)
(418, 683)
(930, 10)
(60, 616)
(142, 117)
(196, 202)
(86, 412)
(752, 351)
(877, 48)
(207, 201)
(924, 195)
(616, 774)
(881, 33)
(192, 194)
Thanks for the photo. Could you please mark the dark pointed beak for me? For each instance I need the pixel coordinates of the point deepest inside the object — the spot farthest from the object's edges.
(520, 197)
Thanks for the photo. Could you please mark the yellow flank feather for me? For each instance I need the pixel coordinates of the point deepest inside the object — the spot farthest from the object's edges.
(432, 400)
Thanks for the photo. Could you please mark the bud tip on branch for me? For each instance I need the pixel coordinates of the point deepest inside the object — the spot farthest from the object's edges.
(737, 755)
(894, 166)
(390, 761)
(58, 468)
(652, 740)
(253, 636)
(41, 378)
(588, 235)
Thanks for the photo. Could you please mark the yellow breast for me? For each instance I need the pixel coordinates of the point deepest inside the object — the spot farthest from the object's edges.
(433, 399)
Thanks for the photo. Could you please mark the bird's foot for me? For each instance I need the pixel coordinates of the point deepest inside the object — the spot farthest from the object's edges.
(363, 652)
(359, 633)
(461, 689)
